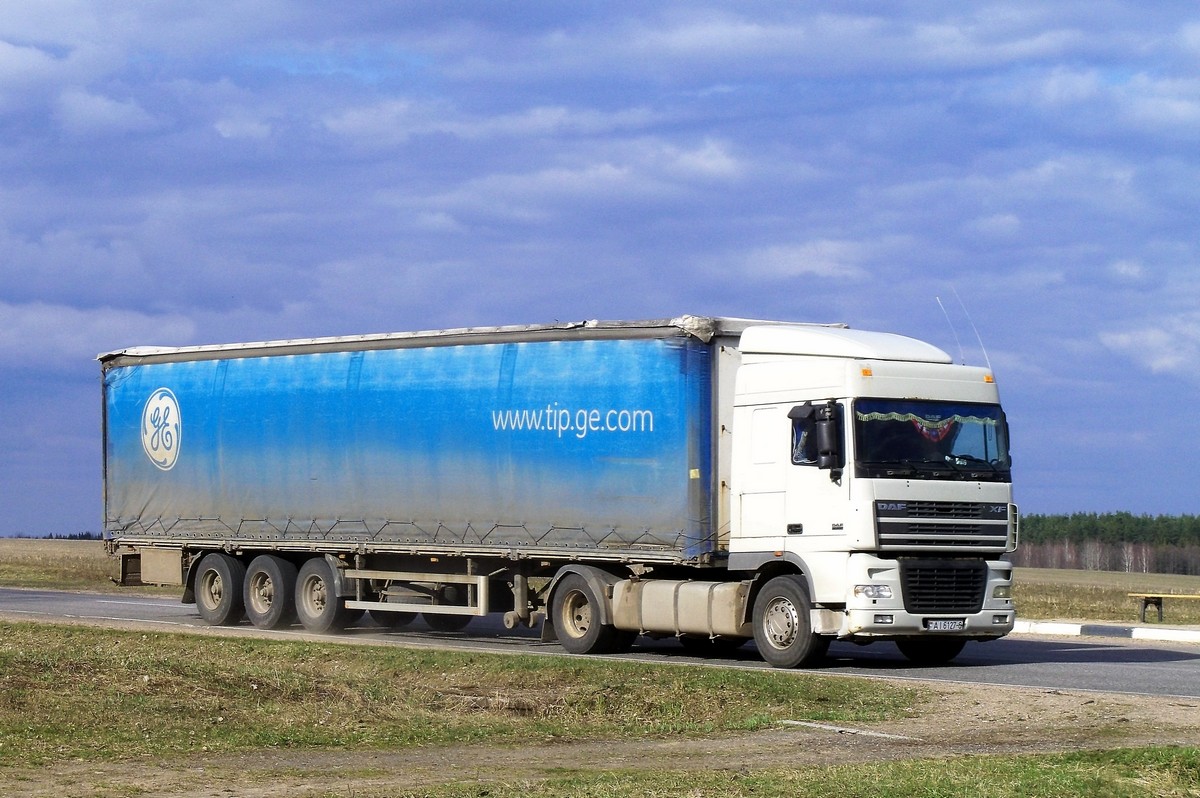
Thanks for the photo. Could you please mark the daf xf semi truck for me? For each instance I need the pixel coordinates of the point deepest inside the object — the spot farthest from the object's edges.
(712, 479)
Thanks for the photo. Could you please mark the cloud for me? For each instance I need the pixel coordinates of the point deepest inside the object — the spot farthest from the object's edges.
(683, 44)
(439, 222)
(42, 337)
(82, 113)
(1066, 86)
(1165, 106)
(821, 258)
(618, 178)
(243, 127)
(1170, 345)
(540, 195)
(72, 265)
(1099, 102)
(998, 225)
(1127, 270)
(22, 65)
(712, 158)
(1189, 38)
(393, 121)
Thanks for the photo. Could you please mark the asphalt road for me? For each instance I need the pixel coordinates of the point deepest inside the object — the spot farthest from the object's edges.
(1050, 663)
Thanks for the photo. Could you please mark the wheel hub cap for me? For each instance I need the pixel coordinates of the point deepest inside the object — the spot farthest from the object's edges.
(780, 623)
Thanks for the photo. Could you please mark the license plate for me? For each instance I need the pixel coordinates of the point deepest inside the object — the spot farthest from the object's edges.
(945, 624)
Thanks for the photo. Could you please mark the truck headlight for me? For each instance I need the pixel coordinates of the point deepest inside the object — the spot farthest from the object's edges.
(873, 591)
(1002, 591)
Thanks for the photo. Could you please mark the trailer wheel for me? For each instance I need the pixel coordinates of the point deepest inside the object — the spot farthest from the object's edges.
(219, 589)
(270, 592)
(576, 611)
(392, 620)
(318, 606)
(782, 624)
(446, 623)
(931, 651)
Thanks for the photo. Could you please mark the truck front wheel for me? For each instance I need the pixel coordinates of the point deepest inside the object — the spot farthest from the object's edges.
(318, 605)
(219, 589)
(575, 609)
(783, 625)
(270, 592)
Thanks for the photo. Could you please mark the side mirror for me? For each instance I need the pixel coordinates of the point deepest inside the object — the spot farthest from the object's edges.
(827, 431)
(801, 411)
(829, 440)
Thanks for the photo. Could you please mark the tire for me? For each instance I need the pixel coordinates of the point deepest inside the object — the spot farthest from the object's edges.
(392, 620)
(575, 609)
(270, 592)
(783, 627)
(219, 582)
(446, 623)
(931, 651)
(318, 606)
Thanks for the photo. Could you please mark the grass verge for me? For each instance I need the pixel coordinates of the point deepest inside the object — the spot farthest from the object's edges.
(1162, 772)
(158, 694)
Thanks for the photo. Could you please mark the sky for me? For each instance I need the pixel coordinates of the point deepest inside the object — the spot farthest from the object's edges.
(1016, 182)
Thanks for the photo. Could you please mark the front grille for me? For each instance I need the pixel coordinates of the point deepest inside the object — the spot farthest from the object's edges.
(943, 587)
(945, 509)
(978, 526)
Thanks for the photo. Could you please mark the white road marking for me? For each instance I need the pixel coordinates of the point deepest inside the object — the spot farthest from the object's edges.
(844, 730)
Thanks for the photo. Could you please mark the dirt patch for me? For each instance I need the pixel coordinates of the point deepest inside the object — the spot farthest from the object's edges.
(956, 720)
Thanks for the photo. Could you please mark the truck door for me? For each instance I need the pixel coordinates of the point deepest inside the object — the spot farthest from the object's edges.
(761, 463)
(816, 497)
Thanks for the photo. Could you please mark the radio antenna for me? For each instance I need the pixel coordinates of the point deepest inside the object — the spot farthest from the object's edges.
(978, 337)
(961, 357)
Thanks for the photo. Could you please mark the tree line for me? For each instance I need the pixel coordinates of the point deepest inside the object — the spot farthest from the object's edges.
(1166, 544)
(55, 536)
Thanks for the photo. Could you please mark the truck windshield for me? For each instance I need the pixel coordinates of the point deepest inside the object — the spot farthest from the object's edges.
(900, 438)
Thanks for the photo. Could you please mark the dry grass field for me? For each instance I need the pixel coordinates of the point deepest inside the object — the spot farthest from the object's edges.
(63, 564)
(1043, 594)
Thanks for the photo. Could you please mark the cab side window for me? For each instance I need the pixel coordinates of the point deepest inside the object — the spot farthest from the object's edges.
(804, 441)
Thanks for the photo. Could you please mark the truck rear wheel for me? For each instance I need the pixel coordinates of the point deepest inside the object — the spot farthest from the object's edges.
(576, 612)
(783, 625)
(318, 605)
(931, 651)
(270, 592)
(219, 589)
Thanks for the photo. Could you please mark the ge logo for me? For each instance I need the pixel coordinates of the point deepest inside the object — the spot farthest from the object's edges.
(160, 429)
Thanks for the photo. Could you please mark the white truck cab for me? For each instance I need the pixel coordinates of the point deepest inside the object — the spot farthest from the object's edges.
(876, 469)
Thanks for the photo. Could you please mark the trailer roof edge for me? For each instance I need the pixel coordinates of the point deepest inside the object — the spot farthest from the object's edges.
(704, 328)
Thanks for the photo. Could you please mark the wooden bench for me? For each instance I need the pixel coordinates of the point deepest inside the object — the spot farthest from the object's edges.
(1156, 600)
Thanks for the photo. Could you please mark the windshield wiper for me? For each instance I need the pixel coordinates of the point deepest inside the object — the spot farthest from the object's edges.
(905, 466)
